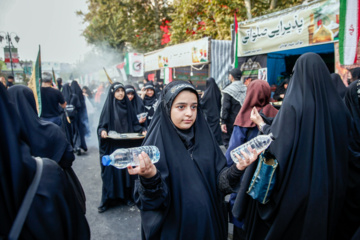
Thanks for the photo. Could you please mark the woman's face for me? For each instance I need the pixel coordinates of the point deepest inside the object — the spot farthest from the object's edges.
(149, 92)
(184, 110)
(130, 96)
(119, 94)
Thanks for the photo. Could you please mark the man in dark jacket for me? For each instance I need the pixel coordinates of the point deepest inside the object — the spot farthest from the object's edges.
(232, 100)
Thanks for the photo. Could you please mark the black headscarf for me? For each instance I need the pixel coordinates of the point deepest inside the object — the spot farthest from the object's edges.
(137, 102)
(311, 133)
(70, 97)
(194, 210)
(211, 104)
(118, 115)
(45, 138)
(339, 84)
(149, 101)
(355, 74)
(54, 200)
(75, 89)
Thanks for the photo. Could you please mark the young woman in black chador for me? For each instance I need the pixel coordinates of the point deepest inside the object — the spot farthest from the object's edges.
(150, 101)
(211, 104)
(312, 134)
(55, 212)
(179, 197)
(137, 103)
(117, 115)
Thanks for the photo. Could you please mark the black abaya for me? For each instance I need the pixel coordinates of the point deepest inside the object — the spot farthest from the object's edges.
(211, 104)
(116, 116)
(183, 202)
(54, 213)
(312, 132)
(339, 84)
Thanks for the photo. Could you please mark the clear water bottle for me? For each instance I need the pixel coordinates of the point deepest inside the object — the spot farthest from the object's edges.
(142, 115)
(123, 157)
(259, 143)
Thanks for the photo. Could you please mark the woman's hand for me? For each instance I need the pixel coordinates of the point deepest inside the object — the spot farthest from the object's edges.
(244, 163)
(144, 133)
(143, 119)
(145, 169)
(103, 134)
(255, 117)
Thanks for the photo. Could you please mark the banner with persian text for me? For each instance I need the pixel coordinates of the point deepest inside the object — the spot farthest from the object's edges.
(296, 27)
(180, 55)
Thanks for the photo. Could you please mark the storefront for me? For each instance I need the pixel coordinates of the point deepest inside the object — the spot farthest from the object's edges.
(269, 46)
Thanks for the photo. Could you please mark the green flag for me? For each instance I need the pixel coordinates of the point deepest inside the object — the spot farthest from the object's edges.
(35, 83)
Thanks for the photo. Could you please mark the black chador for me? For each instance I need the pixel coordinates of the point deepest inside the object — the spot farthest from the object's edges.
(211, 104)
(46, 139)
(117, 115)
(312, 132)
(54, 212)
(182, 201)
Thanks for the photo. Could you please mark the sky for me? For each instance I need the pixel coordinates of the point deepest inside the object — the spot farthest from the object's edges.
(52, 24)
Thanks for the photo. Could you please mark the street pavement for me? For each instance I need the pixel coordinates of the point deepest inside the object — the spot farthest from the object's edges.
(119, 222)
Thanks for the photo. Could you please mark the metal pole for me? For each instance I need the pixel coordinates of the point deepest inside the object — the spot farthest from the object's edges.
(9, 40)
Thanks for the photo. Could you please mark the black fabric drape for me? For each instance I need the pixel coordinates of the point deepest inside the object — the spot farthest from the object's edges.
(82, 121)
(350, 220)
(312, 134)
(116, 116)
(211, 104)
(190, 204)
(45, 138)
(339, 84)
(55, 212)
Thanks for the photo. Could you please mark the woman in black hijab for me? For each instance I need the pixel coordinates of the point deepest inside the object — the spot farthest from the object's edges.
(355, 75)
(82, 120)
(339, 84)
(179, 197)
(210, 104)
(350, 220)
(46, 139)
(117, 115)
(150, 101)
(54, 212)
(72, 129)
(137, 103)
(312, 132)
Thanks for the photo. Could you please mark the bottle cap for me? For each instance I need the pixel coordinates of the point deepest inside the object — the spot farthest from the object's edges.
(106, 160)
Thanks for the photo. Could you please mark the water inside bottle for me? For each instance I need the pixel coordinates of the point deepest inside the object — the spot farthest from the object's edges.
(122, 158)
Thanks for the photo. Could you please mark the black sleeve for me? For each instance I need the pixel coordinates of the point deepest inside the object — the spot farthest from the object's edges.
(151, 193)
(226, 108)
(229, 179)
(67, 158)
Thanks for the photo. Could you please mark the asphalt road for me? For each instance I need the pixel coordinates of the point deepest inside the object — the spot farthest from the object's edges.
(119, 222)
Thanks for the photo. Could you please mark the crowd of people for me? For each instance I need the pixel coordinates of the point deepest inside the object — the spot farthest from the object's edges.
(316, 144)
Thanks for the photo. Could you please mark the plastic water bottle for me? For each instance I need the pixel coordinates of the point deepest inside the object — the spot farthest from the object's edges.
(142, 115)
(259, 143)
(123, 157)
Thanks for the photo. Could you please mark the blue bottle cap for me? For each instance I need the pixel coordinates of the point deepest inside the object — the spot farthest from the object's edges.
(106, 160)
